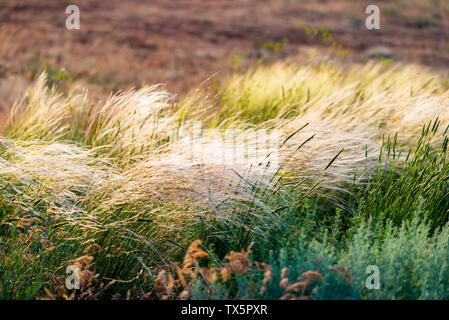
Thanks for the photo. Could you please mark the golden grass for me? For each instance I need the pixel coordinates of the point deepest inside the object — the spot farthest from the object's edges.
(134, 165)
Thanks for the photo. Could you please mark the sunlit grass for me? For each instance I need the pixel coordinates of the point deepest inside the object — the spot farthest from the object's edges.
(353, 144)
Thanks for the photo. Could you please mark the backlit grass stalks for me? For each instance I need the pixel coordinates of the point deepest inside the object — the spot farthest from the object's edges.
(41, 114)
(285, 147)
(374, 98)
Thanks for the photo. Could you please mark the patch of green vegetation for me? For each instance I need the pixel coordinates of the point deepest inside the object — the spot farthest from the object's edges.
(56, 76)
(398, 223)
(422, 22)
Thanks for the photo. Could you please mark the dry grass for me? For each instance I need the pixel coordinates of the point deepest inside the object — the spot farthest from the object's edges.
(136, 150)
(134, 174)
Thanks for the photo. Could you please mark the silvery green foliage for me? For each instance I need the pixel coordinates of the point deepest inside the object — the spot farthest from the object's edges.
(413, 264)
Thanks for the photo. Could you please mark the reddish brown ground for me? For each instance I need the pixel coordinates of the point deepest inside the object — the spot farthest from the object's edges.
(183, 42)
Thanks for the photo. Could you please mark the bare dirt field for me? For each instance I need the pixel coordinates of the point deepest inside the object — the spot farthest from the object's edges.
(184, 42)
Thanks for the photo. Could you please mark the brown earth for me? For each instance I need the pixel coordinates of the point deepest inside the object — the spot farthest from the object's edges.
(181, 43)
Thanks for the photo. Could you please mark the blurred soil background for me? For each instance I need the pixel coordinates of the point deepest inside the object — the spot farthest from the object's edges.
(183, 43)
